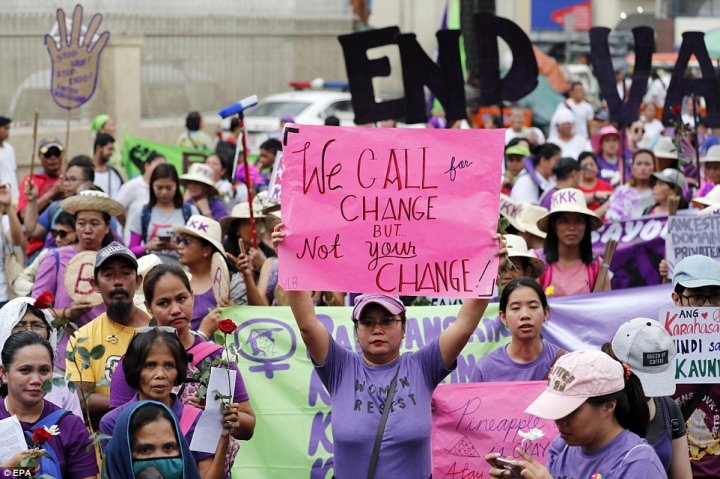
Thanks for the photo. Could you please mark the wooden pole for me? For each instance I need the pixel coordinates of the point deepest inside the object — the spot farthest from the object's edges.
(610, 247)
(33, 152)
(67, 140)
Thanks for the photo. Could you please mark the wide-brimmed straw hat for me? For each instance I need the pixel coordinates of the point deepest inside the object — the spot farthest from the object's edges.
(712, 198)
(710, 211)
(241, 211)
(712, 155)
(575, 378)
(517, 248)
(569, 200)
(91, 200)
(205, 228)
(665, 148)
(510, 210)
(200, 173)
(529, 217)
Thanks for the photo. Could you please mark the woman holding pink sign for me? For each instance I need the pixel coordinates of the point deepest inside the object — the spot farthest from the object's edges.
(571, 267)
(380, 398)
(599, 408)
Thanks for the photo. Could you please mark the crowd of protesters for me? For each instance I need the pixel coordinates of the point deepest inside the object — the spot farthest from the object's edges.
(156, 237)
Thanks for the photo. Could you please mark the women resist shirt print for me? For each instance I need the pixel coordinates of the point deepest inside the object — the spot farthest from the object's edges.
(358, 393)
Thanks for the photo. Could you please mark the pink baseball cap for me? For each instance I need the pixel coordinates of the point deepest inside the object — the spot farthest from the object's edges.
(573, 379)
(391, 303)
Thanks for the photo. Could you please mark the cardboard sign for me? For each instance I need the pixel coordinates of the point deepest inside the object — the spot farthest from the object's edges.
(75, 59)
(221, 278)
(473, 420)
(391, 211)
(691, 235)
(275, 187)
(78, 274)
(696, 334)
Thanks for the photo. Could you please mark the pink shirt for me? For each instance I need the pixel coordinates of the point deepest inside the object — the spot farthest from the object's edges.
(569, 281)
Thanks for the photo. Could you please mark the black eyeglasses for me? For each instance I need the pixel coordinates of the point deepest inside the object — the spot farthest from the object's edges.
(698, 300)
(183, 240)
(62, 234)
(33, 326)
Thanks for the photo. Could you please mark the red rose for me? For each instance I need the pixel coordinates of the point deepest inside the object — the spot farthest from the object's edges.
(675, 109)
(227, 326)
(40, 436)
(45, 300)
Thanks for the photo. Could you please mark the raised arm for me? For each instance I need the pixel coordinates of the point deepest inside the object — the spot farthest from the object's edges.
(313, 333)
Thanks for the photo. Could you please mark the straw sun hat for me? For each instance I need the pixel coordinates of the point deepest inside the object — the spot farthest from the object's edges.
(90, 200)
(203, 227)
(517, 248)
(241, 211)
(569, 200)
(200, 173)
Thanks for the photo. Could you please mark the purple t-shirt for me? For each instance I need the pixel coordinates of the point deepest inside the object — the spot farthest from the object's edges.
(497, 366)
(121, 393)
(610, 172)
(546, 197)
(73, 442)
(203, 304)
(358, 393)
(107, 424)
(217, 208)
(50, 277)
(627, 456)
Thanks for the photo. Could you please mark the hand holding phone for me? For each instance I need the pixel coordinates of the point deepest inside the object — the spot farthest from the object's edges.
(242, 247)
(515, 471)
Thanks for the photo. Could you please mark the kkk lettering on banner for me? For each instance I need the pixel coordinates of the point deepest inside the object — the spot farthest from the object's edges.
(696, 334)
(472, 420)
(394, 211)
(691, 235)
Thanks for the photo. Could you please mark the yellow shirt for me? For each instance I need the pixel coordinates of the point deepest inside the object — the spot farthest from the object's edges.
(110, 334)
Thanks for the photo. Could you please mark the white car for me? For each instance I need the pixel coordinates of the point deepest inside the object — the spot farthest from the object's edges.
(307, 107)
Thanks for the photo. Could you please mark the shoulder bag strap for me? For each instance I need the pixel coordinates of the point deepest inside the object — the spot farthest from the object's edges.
(694, 402)
(381, 427)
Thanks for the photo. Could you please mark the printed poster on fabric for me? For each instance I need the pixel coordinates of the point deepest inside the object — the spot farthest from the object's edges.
(393, 211)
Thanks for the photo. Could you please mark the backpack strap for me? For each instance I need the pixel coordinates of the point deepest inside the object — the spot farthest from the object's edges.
(190, 413)
(202, 350)
(57, 260)
(50, 464)
(187, 211)
(144, 222)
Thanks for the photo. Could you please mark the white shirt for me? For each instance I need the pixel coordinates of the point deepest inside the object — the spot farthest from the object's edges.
(8, 169)
(653, 129)
(109, 181)
(3, 239)
(583, 112)
(526, 191)
(573, 147)
(133, 195)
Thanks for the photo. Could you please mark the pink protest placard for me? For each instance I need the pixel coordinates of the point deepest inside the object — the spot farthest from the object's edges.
(472, 420)
(393, 211)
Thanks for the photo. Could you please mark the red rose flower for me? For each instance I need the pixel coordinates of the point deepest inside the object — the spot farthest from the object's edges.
(675, 109)
(227, 326)
(45, 300)
(40, 436)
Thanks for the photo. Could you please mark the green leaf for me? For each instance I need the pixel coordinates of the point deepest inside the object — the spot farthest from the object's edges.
(46, 386)
(97, 352)
(71, 387)
(70, 355)
(59, 382)
(84, 353)
(103, 383)
(82, 340)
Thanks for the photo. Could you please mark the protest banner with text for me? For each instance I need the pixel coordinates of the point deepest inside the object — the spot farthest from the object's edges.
(473, 420)
(696, 334)
(691, 235)
(394, 211)
(136, 152)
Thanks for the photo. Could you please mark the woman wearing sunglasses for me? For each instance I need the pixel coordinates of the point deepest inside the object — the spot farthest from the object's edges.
(155, 362)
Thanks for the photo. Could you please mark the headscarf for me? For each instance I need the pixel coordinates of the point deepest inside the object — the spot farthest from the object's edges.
(13, 312)
(118, 455)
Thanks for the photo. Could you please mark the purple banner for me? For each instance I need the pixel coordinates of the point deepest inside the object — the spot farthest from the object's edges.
(641, 246)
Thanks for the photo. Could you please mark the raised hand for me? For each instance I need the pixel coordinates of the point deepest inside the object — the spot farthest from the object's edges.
(75, 64)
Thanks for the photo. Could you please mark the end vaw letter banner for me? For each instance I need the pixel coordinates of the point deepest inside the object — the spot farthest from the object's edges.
(394, 211)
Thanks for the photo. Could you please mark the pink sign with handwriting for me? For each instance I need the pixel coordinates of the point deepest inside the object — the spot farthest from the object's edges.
(394, 211)
(472, 420)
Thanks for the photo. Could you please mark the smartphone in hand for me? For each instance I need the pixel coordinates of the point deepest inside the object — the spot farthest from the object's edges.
(515, 471)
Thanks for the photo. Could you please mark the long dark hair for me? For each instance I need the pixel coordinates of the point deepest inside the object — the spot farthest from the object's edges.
(551, 242)
(165, 170)
(15, 343)
(139, 348)
(519, 283)
(631, 409)
(157, 272)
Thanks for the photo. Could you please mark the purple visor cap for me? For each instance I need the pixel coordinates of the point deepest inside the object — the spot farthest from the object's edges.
(391, 303)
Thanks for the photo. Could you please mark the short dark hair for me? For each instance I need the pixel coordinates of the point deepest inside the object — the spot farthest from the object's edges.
(65, 218)
(166, 170)
(102, 139)
(519, 283)
(147, 414)
(586, 154)
(552, 254)
(157, 272)
(85, 164)
(332, 120)
(234, 123)
(574, 84)
(548, 150)
(271, 144)
(193, 120)
(139, 348)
